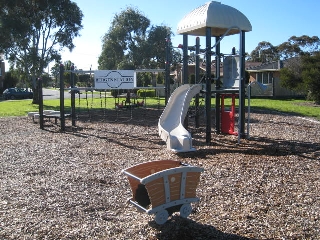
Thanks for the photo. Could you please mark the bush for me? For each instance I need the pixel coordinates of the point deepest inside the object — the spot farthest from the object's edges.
(146, 93)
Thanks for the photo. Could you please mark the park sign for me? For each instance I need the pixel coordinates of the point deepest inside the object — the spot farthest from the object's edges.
(114, 79)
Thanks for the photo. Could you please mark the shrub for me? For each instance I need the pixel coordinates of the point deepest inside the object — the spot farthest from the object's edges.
(146, 93)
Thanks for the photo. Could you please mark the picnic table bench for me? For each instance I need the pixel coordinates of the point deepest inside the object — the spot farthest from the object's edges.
(49, 114)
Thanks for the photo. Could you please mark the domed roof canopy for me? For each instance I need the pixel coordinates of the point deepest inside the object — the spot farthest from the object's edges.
(218, 16)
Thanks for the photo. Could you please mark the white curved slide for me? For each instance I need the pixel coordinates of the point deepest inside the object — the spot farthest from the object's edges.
(171, 129)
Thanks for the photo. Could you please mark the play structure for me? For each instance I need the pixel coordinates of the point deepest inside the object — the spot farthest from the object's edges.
(212, 19)
(217, 20)
(163, 187)
(171, 122)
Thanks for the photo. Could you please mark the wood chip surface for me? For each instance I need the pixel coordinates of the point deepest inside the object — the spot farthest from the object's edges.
(69, 185)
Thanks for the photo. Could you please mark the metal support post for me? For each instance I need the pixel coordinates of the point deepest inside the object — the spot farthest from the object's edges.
(185, 69)
(197, 77)
(208, 85)
(218, 86)
(41, 119)
(241, 123)
(167, 69)
(73, 97)
(62, 116)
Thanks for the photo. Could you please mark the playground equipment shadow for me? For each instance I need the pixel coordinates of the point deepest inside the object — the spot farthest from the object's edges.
(187, 229)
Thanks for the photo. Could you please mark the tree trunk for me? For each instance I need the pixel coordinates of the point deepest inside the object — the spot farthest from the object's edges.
(35, 89)
(35, 99)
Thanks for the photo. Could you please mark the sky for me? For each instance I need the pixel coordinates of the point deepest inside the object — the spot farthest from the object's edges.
(274, 21)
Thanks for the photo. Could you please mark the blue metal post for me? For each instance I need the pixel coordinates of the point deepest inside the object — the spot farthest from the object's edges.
(62, 119)
(185, 59)
(218, 86)
(185, 69)
(167, 69)
(208, 85)
(73, 98)
(197, 77)
(41, 119)
(241, 127)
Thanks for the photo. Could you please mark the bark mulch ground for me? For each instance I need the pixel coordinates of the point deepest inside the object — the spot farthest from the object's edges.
(69, 185)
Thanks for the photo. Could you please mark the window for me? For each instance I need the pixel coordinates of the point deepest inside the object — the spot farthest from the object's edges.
(265, 77)
(259, 77)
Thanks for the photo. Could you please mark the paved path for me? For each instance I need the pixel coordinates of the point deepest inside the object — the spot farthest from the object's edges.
(53, 94)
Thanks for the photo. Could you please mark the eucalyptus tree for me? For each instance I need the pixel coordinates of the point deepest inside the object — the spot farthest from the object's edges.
(264, 52)
(302, 70)
(303, 74)
(132, 42)
(311, 75)
(293, 47)
(55, 71)
(296, 46)
(33, 32)
(126, 35)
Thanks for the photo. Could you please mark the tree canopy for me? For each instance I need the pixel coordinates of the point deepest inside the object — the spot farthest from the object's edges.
(311, 75)
(303, 74)
(32, 32)
(294, 47)
(133, 43)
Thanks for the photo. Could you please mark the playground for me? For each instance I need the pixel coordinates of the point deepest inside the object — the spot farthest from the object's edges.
(69, 185)
(94, 173)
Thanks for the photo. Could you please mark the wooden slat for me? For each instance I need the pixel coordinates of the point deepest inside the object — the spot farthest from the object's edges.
(156, 192)
(192, 182)
(175, 183)
(146, 169)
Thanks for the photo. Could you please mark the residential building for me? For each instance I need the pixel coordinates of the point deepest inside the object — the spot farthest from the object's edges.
(269, 75)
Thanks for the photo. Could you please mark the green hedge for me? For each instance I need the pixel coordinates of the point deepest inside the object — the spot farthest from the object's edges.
(146, 93)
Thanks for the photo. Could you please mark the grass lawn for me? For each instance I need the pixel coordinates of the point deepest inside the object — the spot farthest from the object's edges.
(291, 106)
(22, 107)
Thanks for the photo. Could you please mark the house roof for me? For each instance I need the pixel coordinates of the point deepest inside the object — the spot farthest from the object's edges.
(217, 16)
(251, 65)
(263, 67)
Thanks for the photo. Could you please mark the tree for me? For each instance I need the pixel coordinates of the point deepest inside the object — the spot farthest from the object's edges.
(46, 80)
(303, 74)
(156, 45)
(32, 32)
(67, 74)
(55, 72)
(296, 46)
(288, 50)
(84, 80)
(10, 80)
(264, 52)
(291, 75)
(131, 43)
(311, 75)
(127, 33)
